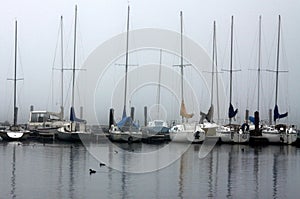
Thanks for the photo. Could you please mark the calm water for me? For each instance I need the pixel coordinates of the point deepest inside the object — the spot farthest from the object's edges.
(61, 170)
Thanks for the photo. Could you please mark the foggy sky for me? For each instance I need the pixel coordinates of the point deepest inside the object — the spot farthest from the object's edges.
(101, 20)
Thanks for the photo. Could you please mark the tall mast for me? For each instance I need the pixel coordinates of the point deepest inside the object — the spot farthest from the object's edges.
(213, 63)
(74, 56)
(181, 58)
(181, 54)
(15, 75)
(277, 63)
(216, 63)
(126, 62)
(159, 80)
(62, 67)
(231, 62)
(259, 63)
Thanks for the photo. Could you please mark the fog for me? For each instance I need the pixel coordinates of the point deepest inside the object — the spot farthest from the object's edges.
(99, 21)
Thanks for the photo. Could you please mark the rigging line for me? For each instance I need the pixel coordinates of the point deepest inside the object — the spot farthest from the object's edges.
(51, 95)
(67, 48)
(55, 49)
(225, 52)
(159, 82)
(285, 60)
(248, 76)
(68, 91)
(20, 108)
(79, 99)
(80, 49)
(216, 69)
(272, 47)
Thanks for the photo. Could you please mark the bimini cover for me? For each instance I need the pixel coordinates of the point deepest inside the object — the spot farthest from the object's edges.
(73, 117)
(277, 115)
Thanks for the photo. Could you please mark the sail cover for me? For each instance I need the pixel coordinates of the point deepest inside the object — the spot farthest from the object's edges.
(277, 115)
(231, 111)
(126, 121)
(183, 112)
(208, 116)
(126, 124)
(73, 117)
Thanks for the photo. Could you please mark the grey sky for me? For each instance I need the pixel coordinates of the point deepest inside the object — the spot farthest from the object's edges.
(101, 20)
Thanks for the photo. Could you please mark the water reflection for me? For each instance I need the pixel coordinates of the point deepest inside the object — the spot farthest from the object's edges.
(182, 168)
(71, 173)
(210, 175)
(60, 173)
(230, 171)
(274, 172)
(229, 168)
(256, 171)
(13, 173)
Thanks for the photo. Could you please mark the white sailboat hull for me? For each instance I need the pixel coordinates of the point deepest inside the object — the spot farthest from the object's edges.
(286, 136)
(115, 135)
(187, 133)
(66, 134)
(230, 135)
(10, 135)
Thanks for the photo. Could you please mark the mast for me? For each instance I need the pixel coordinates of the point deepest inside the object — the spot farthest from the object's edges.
(181, 54)
(277, 63)
(126, 63)
(216, 63)
(231, 62)
(15, 75)
(181, 58)
(213, 63)
(259, 63)
(62, 67)
(74, 57)
(159, 79)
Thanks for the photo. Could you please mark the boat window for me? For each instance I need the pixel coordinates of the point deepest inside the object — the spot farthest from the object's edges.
(37, 117)
(158, 123)
(53, 117)
(33, 118)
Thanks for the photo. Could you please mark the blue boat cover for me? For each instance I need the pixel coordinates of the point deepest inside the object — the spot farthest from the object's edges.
(73, 117)
(277, 115)
(252, 119)
(231, 111)
(126, 122)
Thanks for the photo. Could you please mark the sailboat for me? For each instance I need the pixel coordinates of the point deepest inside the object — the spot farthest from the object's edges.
(45, 123)
(232, 133)
(255, 128)
(158, 129)
(206, 121)
(73, 130)
(125, 130)
(279, 133)
(15, 131)
(185, 132)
